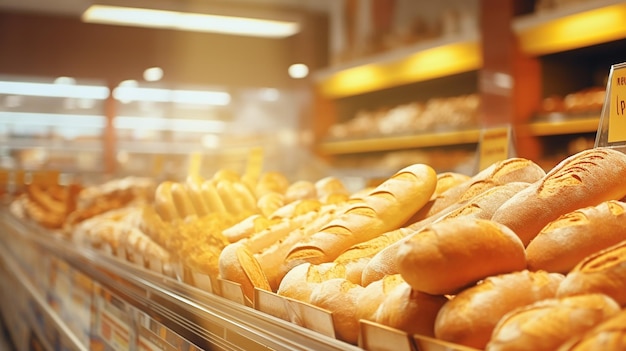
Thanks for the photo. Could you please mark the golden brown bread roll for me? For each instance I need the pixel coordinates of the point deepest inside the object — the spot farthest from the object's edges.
(447, 180)
(470, 317)
(383, 209)
(340, 297)
(373, 295)
(547, 324)
(602, 272)
(409, 310)
(271, 182)
(181, 200)
(329, 187)
(482, 206)
(609, 335)
(447, 256)
(566, 241)
(270, 202)
(506, 171)
(246, 228)
(300, 190)
(583, 179)
(242, 268)
(299, 282)
(164, 203)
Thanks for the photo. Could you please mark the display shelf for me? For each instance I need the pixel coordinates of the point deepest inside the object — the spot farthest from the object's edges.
(207, 320)
(572, 26)
(470, 136)
(425, 60)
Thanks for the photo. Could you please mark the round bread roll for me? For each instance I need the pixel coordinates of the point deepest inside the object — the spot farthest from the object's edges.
(547, 324)
(583, 179)
(300, 190)
(470, 317)
(565, 242)
(339, 296)
(449, 255)
(609, 335)
(164, 203)
(603, 272)
(411, 311)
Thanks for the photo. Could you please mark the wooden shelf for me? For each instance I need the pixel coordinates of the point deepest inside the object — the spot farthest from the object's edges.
(571, 27)
(451, 138)
(419, 62)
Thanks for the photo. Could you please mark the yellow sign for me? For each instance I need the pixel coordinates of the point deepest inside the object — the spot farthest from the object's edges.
(195, 163)
(494, 146)
(617, 106)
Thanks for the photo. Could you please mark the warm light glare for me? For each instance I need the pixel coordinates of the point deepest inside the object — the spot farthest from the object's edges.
(195, 97)
(575, 31)
(172, 124)
(298, 71)
(189, 21)
(54, 90)
(153, 74)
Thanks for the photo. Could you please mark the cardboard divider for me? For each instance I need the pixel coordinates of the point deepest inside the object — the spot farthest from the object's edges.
(377, 337)
(233, 292)
(425, 343)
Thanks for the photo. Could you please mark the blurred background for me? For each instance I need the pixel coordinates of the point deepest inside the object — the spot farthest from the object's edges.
(352, 88)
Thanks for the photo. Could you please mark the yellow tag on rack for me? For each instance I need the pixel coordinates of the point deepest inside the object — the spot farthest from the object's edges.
(195, 161)
(617, 106)
(494, 146)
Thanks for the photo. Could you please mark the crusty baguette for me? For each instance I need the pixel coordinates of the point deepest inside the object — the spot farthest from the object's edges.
(602, 272)
(181, 200)
(566, 241)
(606, 336)
(547, 324)
(300, 190)
(470, 317)
(385, 208)
(300, 281)
(482, 207)
(453, 254)
(447, 180)
(247, 227)
(583, 179)
(339, 296)
(373, 295)
(499, 173)
(237, 264)
(163, 202)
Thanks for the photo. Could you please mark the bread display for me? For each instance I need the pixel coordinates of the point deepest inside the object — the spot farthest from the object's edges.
(447, 256)
(602, 272)
(583, 179)
(548, 324)
(566, 241)
(470, 317)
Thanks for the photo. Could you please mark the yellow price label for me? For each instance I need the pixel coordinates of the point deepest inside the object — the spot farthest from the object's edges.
(617, 106)
(494, 146)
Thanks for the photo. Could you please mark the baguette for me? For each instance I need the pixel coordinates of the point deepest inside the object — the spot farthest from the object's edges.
(606, 336)
(482, 207)
(547, 324)
(163, 202)
(373, 295)
(470, 317)
(602, 272)
(237, 264)
(499, 173)
(566, 241)
(453, 254)
(385, 208)
(299, 282)
(583, 179)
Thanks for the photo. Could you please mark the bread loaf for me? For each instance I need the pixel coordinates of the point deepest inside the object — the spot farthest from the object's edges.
(547, 324)
(583, 179)
(566, 241)
(602, 272)
(300, 281)
(482, 206)
(339, 296)
(163, 202)
(447, 180)
(244, 229)
(609, 335)
(450, 255)
(470, 317)
(373, 295)
(506, 171)
(237, 264)
(385, 208)
(300, 190)
(409, 310)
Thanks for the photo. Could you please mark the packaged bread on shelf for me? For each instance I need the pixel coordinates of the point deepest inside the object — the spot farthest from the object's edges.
(548, 324)
(583, 179)
(567, 240)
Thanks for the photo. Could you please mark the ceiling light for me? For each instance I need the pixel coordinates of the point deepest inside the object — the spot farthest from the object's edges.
(142, 17)
(298, 71)
(195, 97)
(55, 90)
(153, 74)
(171, 124)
